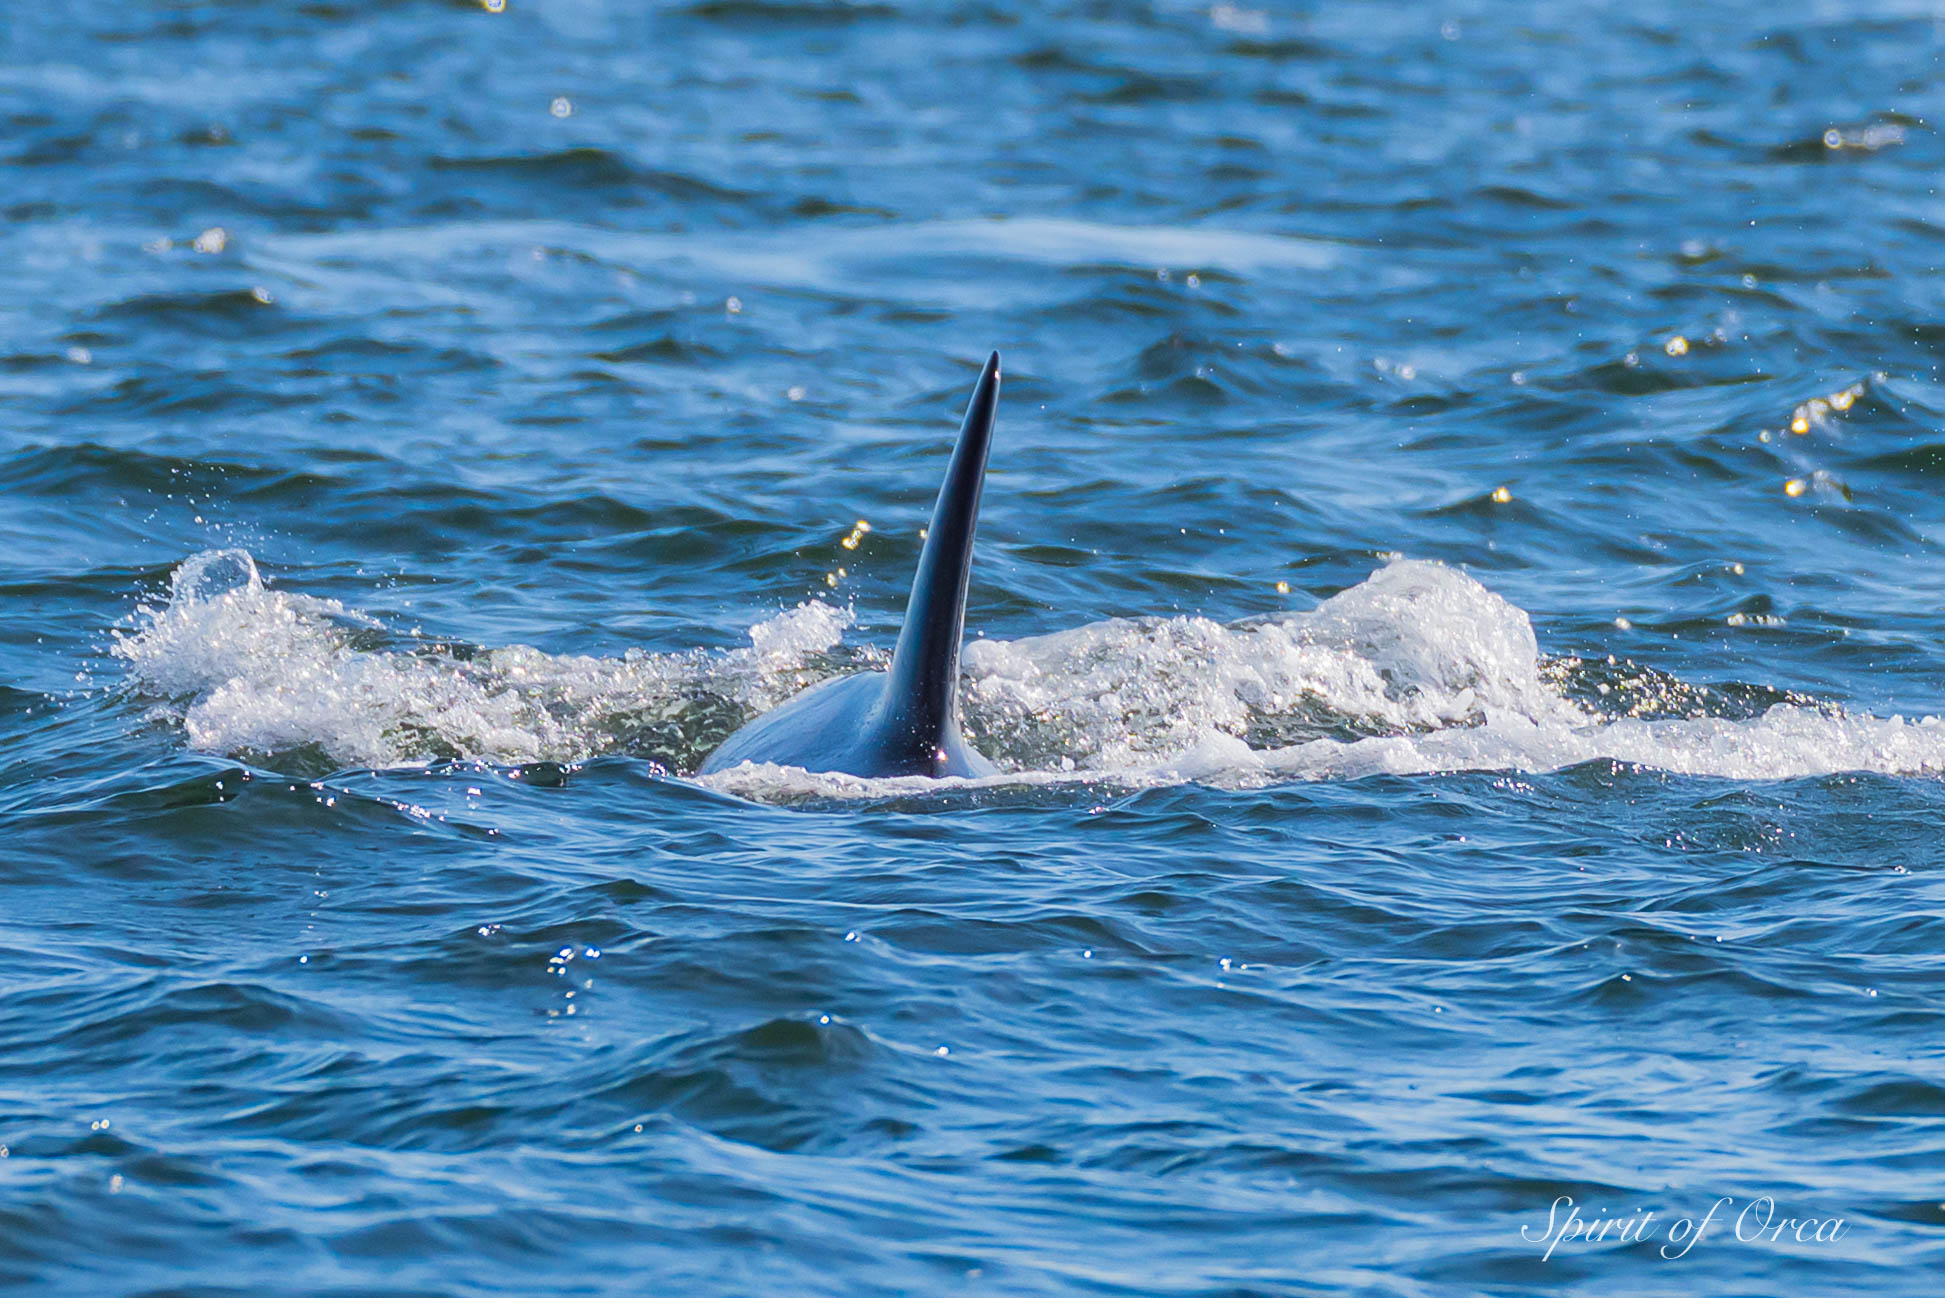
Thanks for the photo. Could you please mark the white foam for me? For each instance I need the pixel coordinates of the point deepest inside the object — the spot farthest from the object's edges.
(1418, 669)
(1418, 645)
(1784, 743)
(247, 669)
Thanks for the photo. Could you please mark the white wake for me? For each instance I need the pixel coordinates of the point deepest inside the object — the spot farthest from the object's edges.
(1417, 669)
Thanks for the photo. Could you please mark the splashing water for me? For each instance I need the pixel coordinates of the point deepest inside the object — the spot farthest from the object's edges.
(250, 670)
(1418, 669)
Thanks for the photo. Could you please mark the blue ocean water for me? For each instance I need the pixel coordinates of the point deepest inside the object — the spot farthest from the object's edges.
(1458, 609)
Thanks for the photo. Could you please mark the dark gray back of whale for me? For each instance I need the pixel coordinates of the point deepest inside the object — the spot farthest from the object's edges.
(904, 721)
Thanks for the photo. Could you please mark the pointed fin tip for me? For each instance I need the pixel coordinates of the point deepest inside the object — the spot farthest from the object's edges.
(984, 403)
(989, 376)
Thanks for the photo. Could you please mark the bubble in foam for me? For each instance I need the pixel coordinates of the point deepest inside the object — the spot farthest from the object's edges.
(1446, 649)
(213, 574)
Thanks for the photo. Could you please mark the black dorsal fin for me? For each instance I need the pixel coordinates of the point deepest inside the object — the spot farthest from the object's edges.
(921, 699)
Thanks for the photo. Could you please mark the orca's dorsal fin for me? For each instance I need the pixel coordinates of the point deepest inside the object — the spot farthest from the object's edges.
(921, 699)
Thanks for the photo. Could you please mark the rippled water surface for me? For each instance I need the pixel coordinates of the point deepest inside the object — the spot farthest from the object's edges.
(1458, 614)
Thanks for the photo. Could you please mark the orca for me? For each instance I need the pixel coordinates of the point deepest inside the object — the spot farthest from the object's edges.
(904, 721)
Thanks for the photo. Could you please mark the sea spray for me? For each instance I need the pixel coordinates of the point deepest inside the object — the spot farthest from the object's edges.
(1418, 669)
